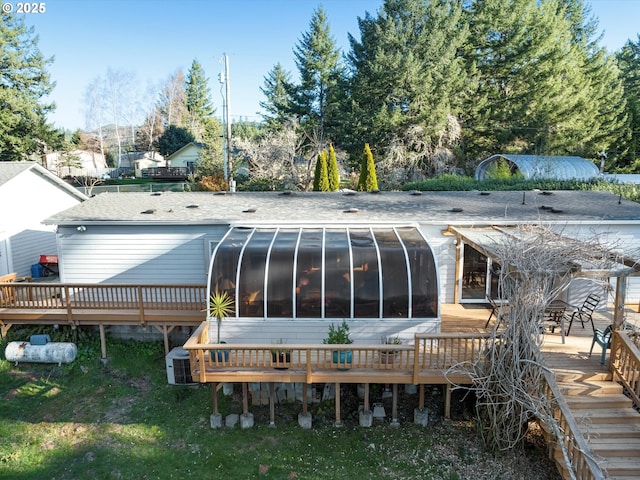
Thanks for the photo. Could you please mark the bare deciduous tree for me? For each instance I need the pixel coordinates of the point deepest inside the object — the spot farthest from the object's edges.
(536, 265)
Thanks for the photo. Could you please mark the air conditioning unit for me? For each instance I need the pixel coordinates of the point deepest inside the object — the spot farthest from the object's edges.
(179, 367)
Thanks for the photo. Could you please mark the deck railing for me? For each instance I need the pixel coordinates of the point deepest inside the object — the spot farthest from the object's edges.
(625, 363)
(103, 296)
(437, 352)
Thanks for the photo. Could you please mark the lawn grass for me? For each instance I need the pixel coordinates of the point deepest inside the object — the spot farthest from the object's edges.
(123, 421)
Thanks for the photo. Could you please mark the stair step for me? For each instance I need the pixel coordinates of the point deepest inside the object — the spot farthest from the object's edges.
(568, 375)
(606, 415)
(617, 467)
(599, 401)
(600, 431)
(590, 387)
(616, 447)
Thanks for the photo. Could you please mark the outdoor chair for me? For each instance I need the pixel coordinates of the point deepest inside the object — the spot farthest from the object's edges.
(602, 338)
(497, 310)
(585, 312)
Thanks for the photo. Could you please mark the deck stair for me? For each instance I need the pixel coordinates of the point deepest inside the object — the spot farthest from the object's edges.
(608, 421)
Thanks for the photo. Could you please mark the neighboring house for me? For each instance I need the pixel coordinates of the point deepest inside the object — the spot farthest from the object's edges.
(265, 248)
(541, 166)
(76, 163)
(147, 160)
(28, 194)
(186, 157)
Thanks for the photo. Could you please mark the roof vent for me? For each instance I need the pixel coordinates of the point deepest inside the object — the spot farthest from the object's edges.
(150, 211)
(545, 207)
(156, 194)
(375, 191)
(456, 210)
(193, 206)
(546, 193)
(351, 210)
(415, 192)
(286, 193)
(485, 193)
(349, 193)
(250, 210)
(220, 193)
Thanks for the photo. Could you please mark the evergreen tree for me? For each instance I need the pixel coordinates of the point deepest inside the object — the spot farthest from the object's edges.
(198, 102)
(368, 180)
(173, 139)
(536, 93)
(23, 84)
(321, 179)
(629, 64)
(333, 173)
(317, 60)
(278, 92)
(409, 78)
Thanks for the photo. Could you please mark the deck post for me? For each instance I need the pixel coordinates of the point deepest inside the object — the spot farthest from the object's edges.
(394, 407)
(304, 418)
(245, 399)
(366, 397)
(272, 408)
(421, 397)
(338, 419)
(214, 397)
(103, 344)
(366, 415)
(447, 400)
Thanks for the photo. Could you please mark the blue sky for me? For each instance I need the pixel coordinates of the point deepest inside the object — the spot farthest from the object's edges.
(154, 38)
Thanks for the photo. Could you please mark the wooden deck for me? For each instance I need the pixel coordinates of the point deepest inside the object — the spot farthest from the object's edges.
(591, 404)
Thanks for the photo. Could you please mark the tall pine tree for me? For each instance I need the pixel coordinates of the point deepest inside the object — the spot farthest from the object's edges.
(23, 84)
(277, 90)
(317, 58)
(629, 63)
(198, 101)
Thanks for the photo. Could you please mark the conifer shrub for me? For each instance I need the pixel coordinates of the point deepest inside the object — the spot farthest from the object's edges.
(368, 180)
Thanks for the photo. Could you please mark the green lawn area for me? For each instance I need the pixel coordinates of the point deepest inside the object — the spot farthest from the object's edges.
(122, 420)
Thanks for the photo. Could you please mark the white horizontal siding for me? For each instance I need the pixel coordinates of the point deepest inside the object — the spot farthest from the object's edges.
(362, 331)
(153, 255)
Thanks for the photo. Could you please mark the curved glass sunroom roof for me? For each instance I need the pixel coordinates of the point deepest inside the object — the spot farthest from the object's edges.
(316, 272)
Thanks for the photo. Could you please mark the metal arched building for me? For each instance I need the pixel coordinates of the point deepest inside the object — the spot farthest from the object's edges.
(541, 166)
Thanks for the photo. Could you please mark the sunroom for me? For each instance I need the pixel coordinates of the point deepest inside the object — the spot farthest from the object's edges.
(307, 273)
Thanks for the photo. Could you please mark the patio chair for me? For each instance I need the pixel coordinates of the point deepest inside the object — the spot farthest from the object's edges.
(602, 338)
(585, 312)
(497, 310)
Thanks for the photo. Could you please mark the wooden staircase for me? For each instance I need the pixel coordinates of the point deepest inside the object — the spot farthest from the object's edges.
(607, 420)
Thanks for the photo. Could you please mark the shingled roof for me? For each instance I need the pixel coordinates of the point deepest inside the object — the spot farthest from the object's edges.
(261, 208)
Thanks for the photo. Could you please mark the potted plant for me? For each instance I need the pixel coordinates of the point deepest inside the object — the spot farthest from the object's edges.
(388, 356)
(339, 335)
(280, 356)
(220, 307)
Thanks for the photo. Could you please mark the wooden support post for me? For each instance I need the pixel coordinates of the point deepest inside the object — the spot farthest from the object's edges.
(272, 407)
(214, 397)
(366, 397)
(338, 419)
(447, 400)
(165, 335)
(245, 399)
(394, 404)
(304, 398)
(103, 343)
(421, 396)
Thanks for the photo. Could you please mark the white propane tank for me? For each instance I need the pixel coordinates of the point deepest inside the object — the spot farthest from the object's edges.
(52, 352)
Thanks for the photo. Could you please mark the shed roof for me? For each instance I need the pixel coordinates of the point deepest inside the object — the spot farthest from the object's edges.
(542, 166)
(339, 208)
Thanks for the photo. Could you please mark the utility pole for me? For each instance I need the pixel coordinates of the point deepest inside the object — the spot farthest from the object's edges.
(232, 183)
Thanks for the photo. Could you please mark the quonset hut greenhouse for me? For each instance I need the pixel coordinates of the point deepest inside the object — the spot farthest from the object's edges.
(541, 166)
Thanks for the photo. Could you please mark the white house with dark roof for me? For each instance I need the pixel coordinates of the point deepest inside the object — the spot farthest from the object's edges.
(30, 193)
(377, 259)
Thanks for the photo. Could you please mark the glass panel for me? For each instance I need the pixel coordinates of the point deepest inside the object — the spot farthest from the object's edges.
(474, 274)
(223, 270)
(423, 274)
(394, 275)
(365, 274)
(337, 277)
(309, 274)
(251, 284)
(280, 278)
